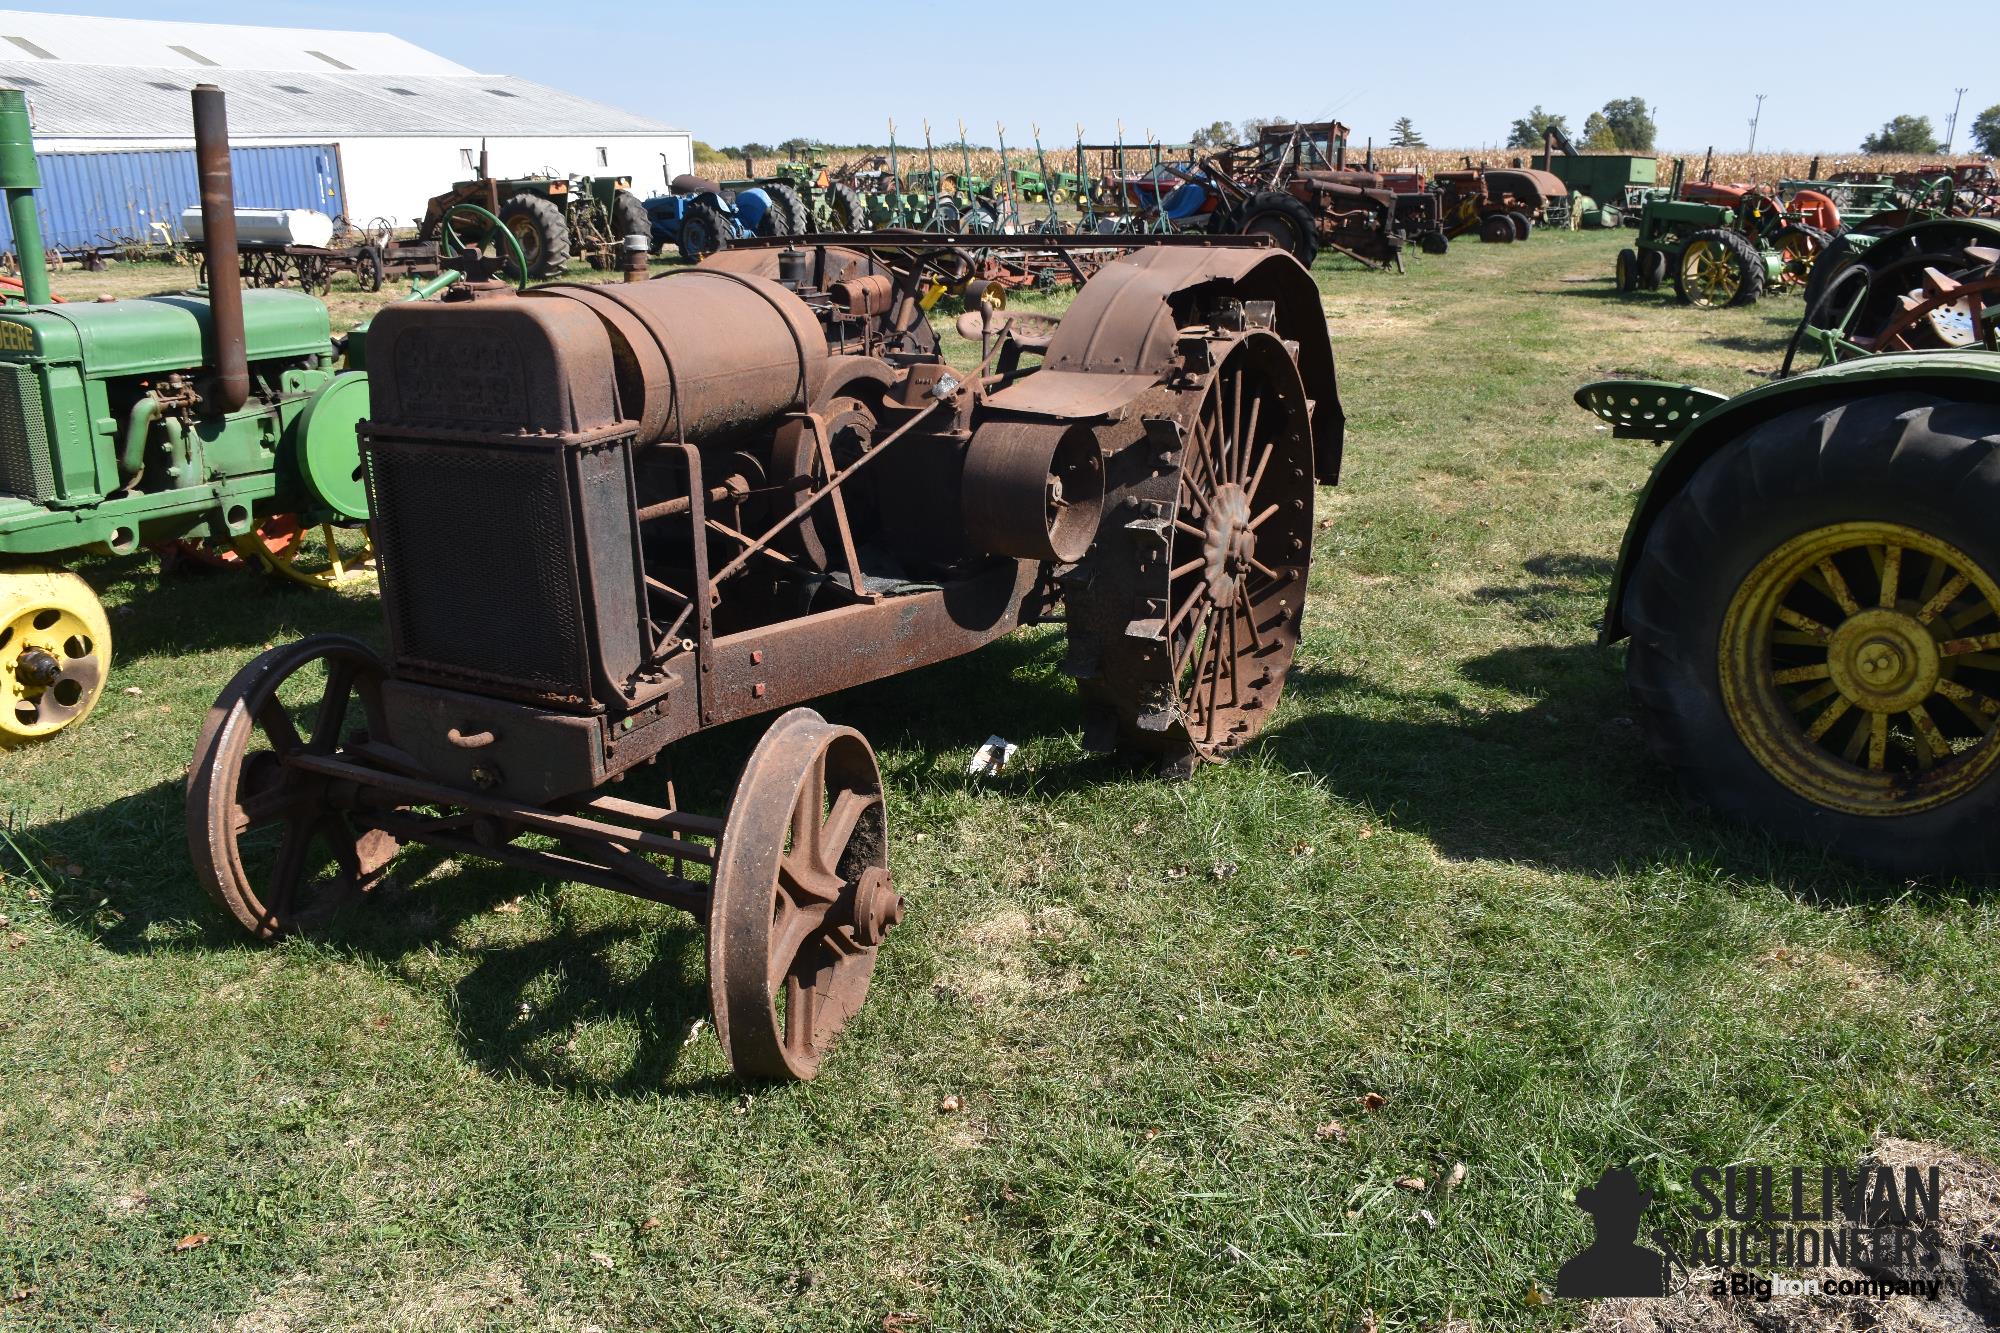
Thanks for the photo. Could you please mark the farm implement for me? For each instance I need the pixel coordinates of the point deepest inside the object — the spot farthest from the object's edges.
(757, 482)
(296, 247)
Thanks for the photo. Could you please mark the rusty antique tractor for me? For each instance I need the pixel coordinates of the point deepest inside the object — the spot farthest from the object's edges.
(744, 486)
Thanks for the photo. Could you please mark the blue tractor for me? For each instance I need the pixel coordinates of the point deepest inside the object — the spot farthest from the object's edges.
(700, 217)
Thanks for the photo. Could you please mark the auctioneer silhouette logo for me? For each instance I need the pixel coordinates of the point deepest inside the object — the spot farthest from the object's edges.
(1614, 1264)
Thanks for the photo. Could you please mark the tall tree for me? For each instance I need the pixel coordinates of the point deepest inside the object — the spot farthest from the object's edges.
(1986, 131)
(1219, 134)
(1624, 125)
(1528, 130)
(1404, 135)
(1251, 128)
(1903, 134)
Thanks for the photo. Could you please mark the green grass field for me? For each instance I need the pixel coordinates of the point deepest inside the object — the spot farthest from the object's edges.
(1448, 875)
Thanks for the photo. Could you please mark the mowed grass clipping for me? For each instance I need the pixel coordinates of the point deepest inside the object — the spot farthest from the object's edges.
(1117, 1069)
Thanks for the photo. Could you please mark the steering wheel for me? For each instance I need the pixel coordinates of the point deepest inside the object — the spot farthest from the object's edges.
(493, 224)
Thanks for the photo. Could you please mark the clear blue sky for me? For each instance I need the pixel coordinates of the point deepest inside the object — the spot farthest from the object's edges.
(1461, 69)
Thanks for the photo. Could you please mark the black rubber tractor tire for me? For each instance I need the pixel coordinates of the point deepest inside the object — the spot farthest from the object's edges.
(1652, 269)
(629, 218)
(1433, 243)
(704, 231)
(1907, 458)
(1747, 259)
(1839, 254)
(845, 210)
(542, 230)
(1496, 229)
(1523, 225)
(1285, 217)
(794, 215)
(1626, 272)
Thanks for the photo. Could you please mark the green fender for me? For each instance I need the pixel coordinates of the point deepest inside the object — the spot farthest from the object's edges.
(1706, 422)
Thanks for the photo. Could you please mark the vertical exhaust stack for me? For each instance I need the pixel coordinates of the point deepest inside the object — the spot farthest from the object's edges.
(218, 230)
(20, 178)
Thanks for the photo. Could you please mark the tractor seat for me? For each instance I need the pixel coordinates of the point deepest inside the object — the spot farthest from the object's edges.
(685, 184)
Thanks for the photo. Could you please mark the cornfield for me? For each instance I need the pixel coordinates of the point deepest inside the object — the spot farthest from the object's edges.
(1729, 167)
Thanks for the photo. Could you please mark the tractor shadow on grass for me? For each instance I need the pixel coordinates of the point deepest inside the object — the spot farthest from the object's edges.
(531, 984)
(1565, 781)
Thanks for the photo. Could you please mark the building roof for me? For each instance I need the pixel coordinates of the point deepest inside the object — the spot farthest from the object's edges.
(81, 39)
(101, 78)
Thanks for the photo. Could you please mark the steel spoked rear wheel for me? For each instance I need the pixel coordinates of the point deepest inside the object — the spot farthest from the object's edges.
(1189, 619)
(1861, 665)
(1238, 555)
(327, 556)
(802, 897)
(273, 845)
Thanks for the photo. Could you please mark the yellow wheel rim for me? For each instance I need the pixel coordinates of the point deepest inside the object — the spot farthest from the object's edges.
(327, 557)
(1860, 665)
(1710, 274)
(1799, 252)
(55, 652)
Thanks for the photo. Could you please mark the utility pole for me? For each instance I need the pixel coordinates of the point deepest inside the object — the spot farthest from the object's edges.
(1951, 121)
(1755, 117)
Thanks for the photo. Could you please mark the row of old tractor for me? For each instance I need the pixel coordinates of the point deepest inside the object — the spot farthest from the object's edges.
(1294, 183)
(1728, 244)
(757, 480)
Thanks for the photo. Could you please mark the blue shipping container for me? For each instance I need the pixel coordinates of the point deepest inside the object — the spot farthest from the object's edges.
(105, 198)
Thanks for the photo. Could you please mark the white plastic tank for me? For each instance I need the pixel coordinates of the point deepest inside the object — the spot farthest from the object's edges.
(269, 226)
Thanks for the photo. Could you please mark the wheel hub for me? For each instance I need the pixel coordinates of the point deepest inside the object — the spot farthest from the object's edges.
(1884, 660)
(877, 906)
(1229, 543)
(37, 668)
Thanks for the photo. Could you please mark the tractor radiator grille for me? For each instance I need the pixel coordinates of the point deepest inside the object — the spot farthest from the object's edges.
(25, 468)
(478, 565)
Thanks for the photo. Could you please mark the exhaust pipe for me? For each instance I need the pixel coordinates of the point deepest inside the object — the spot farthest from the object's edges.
(20, 178)
(218, 230)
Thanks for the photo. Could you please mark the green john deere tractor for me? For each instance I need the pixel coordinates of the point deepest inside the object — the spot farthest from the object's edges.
(214, 426)
(1723, 245)
(1811, 588)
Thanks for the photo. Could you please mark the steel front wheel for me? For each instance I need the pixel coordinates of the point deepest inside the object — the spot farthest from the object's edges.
(276, 847)
(55, 653)
(1815, 629)
(802, 898)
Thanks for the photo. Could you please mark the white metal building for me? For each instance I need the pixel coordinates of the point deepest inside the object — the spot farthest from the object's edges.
(405, 122)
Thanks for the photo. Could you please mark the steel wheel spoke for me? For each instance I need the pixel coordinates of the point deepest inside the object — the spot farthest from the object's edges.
(1978, 644)
(1836, 586)
(1891, 575)
(841, 821)
(1944, 597)
(276, 723)
(1980, 708)
(1824, 723)
(1878, 739)
(1804, 624)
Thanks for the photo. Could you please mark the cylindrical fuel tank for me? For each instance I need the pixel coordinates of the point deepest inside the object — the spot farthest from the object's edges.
(269, 226)
(704, 355)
